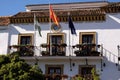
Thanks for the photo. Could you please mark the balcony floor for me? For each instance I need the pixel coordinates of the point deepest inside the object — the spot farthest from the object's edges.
(62, 58)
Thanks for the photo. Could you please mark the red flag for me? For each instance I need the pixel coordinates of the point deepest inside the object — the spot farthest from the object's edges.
(53, 16)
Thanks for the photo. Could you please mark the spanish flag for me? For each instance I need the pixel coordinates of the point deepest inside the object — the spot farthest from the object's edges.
(53, 16)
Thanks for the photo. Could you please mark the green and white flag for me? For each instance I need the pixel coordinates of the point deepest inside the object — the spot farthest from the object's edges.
(37, 25)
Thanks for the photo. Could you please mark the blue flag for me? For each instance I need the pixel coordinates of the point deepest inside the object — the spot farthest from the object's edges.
(71, 26)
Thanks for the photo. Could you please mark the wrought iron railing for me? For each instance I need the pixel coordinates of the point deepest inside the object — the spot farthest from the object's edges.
(22, 50)
(87, 50)
(57, 50)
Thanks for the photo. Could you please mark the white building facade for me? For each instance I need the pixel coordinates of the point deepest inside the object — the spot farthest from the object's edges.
(57, 51)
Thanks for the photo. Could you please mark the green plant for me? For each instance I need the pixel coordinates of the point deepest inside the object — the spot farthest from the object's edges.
(95, 75)
(61, 53)
(24, 52)
(14, 68)
(95, 53)
(45, 53)
(44, 45)
(63, 45)
(78, 77)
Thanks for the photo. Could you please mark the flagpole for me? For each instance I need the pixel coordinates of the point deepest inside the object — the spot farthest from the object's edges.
(69, 44)
(34, 32)
(52, 16)
(50, 43)
(69, 35)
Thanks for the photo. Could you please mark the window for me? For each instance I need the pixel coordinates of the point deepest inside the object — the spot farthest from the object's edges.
(85, 71)
(54, 72)
(55, 40)
(54, 69)
(25, 39)
(25, 42)
(88, 39)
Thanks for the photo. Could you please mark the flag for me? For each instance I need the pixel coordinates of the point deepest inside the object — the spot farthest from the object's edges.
(37, 26)
(53, 16)
(71, 26)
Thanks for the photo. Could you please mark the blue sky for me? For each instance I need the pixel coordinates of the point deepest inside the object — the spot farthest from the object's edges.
(11, 7)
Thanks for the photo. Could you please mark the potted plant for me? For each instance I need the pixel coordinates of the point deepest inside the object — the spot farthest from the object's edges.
(29, 46)
(45, 53)
(78, 53)
(28, 53)
(61, 53)
(64, 76)
(98, 46)
(55, 45)
(95, 53)
(63, 45)
(15, 46)
(78, 45)
(78, 77)
(44, 45)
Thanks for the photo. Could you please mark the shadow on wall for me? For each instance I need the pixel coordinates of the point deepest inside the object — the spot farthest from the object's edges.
(110, 67)
(110, 71)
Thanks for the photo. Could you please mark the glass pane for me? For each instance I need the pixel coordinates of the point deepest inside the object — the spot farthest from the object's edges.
(86, 70)
(87, 38)
(56, 40)
(25, 40)
(58, 71)
(51, 71)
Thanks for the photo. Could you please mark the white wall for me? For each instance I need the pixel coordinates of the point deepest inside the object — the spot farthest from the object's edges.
(66, 63)
(4, 40)
(107, 34)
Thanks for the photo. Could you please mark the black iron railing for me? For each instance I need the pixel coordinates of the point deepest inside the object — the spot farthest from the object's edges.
(57, 50)
(22, 50)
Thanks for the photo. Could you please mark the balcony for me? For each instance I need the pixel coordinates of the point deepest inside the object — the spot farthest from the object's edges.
(61, 51)
(87, 50)
(54, 49)
(22, 50)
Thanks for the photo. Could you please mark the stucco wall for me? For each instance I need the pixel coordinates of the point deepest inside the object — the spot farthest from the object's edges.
(107, 34)
(4, 41)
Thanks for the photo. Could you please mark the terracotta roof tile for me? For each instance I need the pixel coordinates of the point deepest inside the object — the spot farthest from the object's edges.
(59, 13)
(4, 20)
(113, 4)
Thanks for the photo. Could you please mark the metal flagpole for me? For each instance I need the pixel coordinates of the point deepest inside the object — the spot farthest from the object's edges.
(69, 36)
(50, 43)
(69, 44)
(34, 32)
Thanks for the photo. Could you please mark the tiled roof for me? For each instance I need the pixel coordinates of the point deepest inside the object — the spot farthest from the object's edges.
(59, 13)
(84, 14)
(113, 4)
(77, 15)
(4, 20)
(112, 8)
(30, 14)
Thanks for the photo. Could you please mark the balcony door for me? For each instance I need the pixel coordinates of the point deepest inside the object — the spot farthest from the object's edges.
(23, 40)
(55, 40)
(88, 41)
